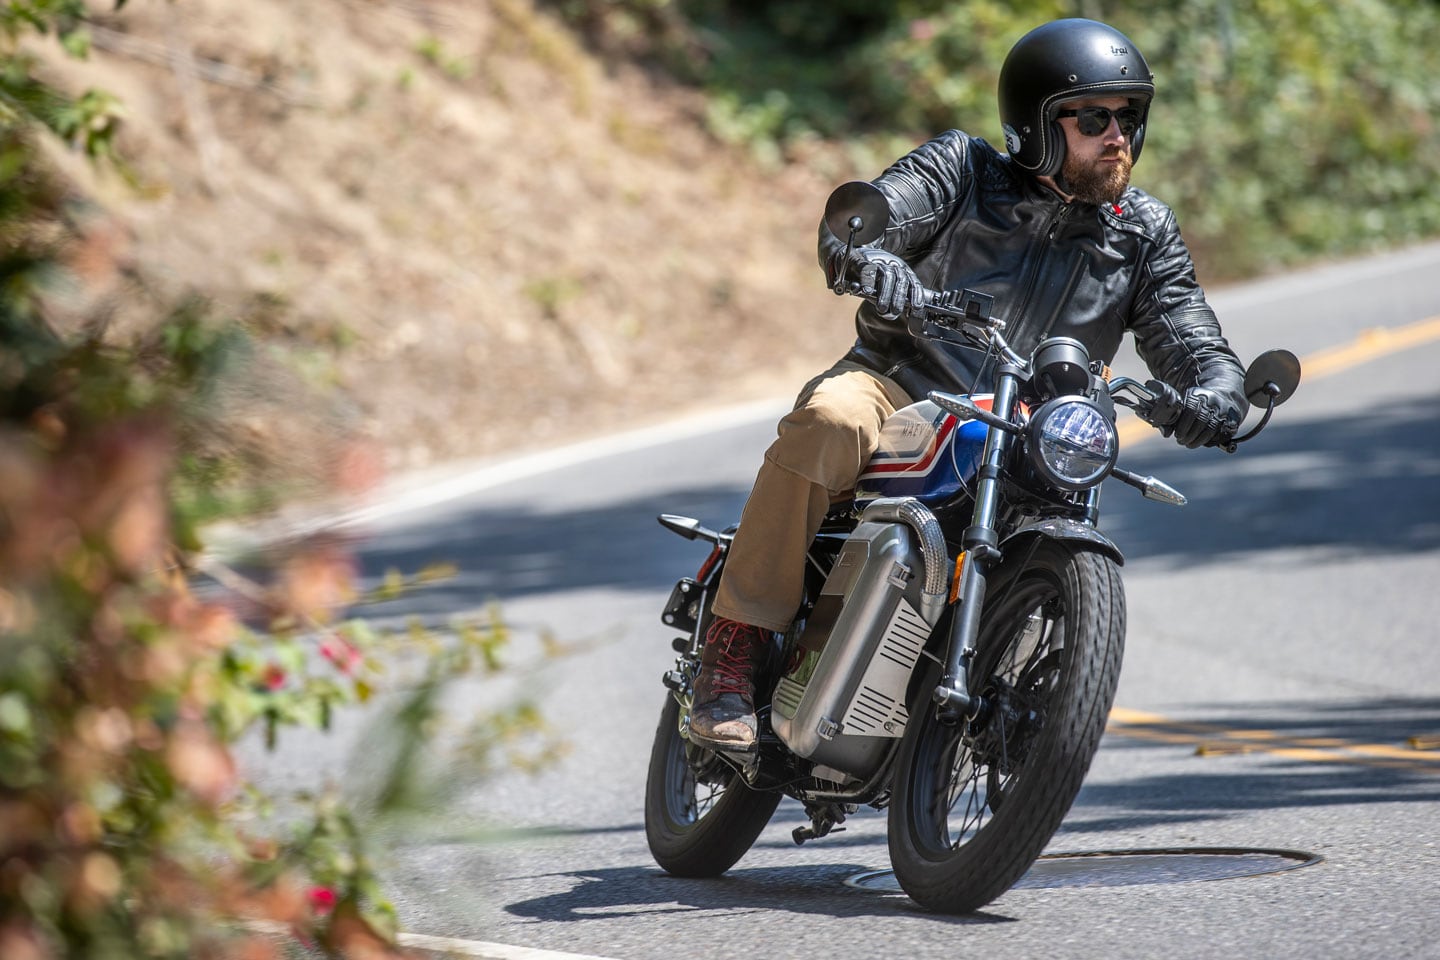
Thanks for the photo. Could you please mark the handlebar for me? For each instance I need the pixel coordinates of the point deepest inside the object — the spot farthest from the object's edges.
(1163, 411)
(970, 314)
(859, 211)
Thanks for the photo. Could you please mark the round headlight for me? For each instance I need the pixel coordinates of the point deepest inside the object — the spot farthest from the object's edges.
(1072, 443)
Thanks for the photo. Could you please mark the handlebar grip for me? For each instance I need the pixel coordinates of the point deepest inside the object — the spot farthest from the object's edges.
(1165, 410)
(1213, 420)
(1163, 407)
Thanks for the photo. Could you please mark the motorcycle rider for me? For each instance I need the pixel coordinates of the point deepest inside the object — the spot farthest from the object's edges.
(1053, 231)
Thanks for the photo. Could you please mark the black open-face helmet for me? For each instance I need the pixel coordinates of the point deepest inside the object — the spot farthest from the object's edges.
(1060, 61)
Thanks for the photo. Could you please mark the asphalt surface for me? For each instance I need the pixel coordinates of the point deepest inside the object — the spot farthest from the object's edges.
(1282, 653)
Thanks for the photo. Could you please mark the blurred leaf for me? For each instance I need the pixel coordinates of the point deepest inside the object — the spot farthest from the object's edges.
(437, 572)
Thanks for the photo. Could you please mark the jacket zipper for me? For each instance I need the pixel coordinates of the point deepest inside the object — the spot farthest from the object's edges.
(1077, 263)
(1048, 233)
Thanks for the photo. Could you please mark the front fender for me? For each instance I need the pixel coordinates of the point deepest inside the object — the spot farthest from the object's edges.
(1059, 528)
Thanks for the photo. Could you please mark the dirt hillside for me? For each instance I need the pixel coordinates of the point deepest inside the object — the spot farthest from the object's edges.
(458, 221)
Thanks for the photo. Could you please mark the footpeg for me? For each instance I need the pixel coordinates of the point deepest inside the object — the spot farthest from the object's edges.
(814, 832)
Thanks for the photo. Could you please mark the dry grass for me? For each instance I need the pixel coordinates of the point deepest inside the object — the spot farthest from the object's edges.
(484, 237)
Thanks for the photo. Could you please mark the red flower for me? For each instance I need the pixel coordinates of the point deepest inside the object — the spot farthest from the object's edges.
(342, 653)
(322, 900)
(274, 677)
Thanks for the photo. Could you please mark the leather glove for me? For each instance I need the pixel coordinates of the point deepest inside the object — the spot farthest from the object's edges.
(887, 278)
(1165, 410)
(1195, 419)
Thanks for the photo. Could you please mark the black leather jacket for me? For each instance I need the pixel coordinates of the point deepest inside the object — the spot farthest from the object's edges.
(964, 217)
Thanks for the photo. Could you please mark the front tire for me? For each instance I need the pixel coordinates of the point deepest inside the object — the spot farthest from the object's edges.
(974, 804)
(700, 816)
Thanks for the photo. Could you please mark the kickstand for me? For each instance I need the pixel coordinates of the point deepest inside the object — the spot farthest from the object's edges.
(824, 820)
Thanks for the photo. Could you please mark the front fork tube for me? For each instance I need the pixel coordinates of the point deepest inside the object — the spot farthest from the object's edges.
(982, 552)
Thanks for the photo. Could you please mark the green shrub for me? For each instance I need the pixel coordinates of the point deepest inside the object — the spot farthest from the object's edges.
(1283, 130)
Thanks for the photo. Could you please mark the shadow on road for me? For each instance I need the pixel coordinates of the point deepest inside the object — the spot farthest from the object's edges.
(506, 554)
(1209, 788)
(808, 889)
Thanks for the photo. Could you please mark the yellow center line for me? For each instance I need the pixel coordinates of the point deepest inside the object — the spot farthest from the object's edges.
(1209, 739)
(1368, 345)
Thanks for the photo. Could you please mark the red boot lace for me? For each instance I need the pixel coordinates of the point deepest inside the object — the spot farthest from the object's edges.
(734, 667)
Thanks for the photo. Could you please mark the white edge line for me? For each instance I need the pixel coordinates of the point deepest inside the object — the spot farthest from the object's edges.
(493, 475)
(449, 945)
(419, 491)
(490, 951)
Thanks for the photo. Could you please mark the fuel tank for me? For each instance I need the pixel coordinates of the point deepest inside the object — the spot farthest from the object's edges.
(925, 453)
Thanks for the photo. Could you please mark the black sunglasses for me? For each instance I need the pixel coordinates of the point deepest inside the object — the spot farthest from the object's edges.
(1093, 121)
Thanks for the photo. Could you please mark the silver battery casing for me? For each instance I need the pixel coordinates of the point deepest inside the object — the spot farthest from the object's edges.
(842, 700)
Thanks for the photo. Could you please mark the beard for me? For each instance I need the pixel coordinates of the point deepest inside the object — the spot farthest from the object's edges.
(1091, 182)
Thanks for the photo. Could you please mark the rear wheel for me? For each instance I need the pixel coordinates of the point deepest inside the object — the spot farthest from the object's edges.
(973, 804)
(700, 816)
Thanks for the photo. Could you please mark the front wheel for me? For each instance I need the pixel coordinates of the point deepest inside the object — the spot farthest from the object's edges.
(973, 804)
(700, 817)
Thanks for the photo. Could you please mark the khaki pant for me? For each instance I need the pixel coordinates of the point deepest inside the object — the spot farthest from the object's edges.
(822, 446)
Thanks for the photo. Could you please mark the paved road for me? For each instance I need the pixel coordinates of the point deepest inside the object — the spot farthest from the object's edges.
(1283, 649)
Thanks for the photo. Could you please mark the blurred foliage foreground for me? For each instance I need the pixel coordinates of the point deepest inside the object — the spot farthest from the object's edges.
(1282, 130)
(126, 829)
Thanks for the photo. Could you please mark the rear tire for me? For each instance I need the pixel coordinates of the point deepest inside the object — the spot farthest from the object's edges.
(700, 816)
(974, 804)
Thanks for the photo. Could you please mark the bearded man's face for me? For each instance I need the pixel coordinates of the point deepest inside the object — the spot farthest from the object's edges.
(1098, 181)
(1097, 169)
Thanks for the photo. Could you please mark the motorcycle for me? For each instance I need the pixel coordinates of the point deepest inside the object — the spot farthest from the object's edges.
(959, 645)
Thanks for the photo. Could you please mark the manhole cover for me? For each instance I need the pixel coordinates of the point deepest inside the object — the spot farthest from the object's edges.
(1130, 868)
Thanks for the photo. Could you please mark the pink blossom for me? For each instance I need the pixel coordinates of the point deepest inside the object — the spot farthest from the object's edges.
(322, 900)
(342, 653)
(922, 30)
(274, 677)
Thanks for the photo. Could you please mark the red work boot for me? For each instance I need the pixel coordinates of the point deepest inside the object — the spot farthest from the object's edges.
(724, 712)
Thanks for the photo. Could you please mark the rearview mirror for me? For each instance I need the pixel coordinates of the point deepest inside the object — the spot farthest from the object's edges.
(859, 206)
(1272, 378)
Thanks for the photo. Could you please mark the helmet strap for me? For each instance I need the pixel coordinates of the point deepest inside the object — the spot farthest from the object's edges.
(1061, 182)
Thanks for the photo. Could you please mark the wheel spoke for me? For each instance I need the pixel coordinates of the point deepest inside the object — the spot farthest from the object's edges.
(1022, 670)
(693, 791)
(706, 796)
(975, 805)
(963, 781)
